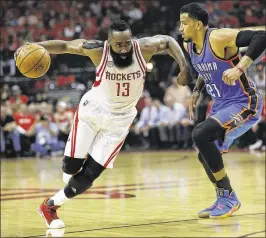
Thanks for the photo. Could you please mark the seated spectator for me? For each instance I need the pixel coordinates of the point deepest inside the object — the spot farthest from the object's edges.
(162, 122)
(176, 92)
(5, 93)
(46, 134)
(8, 132)
(259, 78)
(17, 96)
(64, 79)
(260, 131)
(7, 62)
(146, 125)
(24, 120)
(63, 120)
(180, 126)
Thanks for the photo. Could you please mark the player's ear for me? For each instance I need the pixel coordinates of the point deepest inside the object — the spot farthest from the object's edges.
(199, 25)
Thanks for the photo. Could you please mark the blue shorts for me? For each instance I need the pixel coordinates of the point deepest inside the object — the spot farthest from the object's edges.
(236, 119)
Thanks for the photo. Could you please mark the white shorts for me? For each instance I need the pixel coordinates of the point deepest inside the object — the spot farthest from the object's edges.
(98, 132)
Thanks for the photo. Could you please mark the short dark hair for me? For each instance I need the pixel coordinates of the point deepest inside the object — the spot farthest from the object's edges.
(196, 11)
(119, 25)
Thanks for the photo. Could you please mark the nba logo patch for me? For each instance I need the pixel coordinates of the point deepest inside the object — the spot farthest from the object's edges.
(110, 63)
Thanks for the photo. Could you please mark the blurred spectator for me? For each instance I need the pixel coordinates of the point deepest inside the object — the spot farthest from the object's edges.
(180, 126)
(17, 96)
(69, 30)
(162, 122)
(260, 131)
(259, 78)
(7, 62)
(46, 132)
(24, 121)
(5, 93)
(176, 93)
(8, 132)
(63, 120)
(146, 124)
(64, 78)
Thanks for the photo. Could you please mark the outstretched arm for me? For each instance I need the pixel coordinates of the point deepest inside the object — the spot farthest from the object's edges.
(90, 48)
(255, 40)
(160, 43)
(63, 47)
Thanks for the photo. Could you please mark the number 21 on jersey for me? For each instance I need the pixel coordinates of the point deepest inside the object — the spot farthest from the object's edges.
(122, 89)
(213, 90)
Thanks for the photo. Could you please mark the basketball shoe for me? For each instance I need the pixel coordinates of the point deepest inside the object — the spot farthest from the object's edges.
(206, 212)
(226, 206)
(50, 215)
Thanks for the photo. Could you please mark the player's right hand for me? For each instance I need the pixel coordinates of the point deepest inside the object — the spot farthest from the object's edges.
(192, 104)
(18, 50)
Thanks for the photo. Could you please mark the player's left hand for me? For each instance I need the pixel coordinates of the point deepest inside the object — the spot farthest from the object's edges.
(231, 75)
(183, 76)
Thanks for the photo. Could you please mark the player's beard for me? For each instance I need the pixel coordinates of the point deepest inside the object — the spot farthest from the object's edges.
(122, 62)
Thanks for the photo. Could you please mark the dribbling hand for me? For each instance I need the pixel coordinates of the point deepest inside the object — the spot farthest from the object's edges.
(18, 50)
(231, 75)
(192, 104)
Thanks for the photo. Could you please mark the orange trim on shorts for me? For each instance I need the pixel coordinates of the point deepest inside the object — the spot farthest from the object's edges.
(226, 124)
(245, 77)
(223, 151)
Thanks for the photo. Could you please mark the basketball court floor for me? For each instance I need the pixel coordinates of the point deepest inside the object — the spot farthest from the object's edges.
(148, 194)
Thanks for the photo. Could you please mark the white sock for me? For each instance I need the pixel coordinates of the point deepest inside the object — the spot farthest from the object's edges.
(66, 177)
(59, 198)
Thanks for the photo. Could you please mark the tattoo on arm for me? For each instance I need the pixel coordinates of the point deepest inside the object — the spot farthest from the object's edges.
(176, 52)
(63, 47)
(161, 43)
(92, 44)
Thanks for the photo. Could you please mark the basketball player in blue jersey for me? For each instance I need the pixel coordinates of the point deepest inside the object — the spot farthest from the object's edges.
(237, 104)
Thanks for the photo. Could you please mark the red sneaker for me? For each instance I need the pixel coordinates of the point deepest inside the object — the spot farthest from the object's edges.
(50, 216)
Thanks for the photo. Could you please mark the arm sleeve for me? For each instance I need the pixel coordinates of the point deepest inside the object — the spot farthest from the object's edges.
(255, 40)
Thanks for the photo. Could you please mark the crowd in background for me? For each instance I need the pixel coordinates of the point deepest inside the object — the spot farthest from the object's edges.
(36, 122)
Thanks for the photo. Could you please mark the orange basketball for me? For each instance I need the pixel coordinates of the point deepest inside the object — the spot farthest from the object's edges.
(33, 60)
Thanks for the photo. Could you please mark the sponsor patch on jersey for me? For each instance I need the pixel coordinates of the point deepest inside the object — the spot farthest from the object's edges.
(85, 103)
(110, 63)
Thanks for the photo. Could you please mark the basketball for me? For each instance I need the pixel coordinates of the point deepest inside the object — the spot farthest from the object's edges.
(33, 60)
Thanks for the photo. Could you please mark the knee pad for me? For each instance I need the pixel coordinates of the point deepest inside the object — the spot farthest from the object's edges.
(198, 133)
(72, 165)
(83, 180)
(77, 184)
(209, 130)
(91, 169)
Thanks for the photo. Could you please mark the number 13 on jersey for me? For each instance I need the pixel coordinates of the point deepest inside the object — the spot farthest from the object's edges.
(123, 89)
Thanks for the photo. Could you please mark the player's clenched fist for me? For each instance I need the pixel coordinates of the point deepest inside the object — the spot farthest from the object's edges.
(231, 75)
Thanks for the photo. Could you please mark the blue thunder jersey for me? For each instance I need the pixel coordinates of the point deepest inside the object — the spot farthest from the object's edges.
(211, 68)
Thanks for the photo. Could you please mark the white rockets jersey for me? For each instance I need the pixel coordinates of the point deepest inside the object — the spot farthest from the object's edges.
(119, 88)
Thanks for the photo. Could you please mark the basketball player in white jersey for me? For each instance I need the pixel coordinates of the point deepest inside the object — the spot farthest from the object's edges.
(105, 112)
